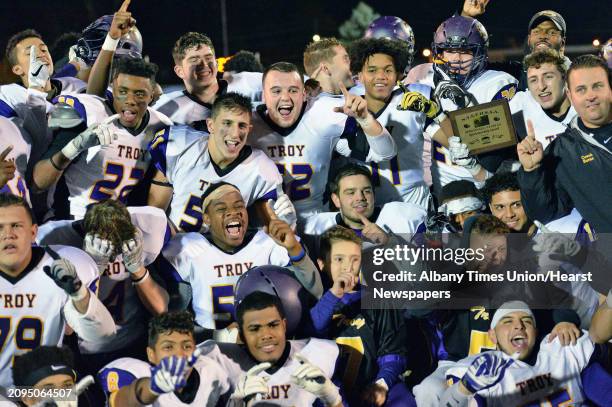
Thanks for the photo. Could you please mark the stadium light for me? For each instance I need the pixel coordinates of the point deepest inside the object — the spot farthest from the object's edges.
(316, 37)
(596, 42)
(426, 52)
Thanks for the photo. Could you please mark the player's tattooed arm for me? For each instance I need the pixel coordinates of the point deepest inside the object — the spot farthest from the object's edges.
(161, 191)
(601, 324)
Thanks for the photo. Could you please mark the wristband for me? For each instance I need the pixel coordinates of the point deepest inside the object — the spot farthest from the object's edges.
(609, 299)
(299, 257)
(57, 167)
(110, 44)
(141, 279)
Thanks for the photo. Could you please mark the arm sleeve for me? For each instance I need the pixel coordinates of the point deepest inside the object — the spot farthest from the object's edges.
(322, 313)
(382, 147)
(308, 275)
(96, 323)
(391, 339)
(543, 198)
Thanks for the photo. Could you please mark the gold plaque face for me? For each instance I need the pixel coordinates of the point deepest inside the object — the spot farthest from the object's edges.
(486, 127)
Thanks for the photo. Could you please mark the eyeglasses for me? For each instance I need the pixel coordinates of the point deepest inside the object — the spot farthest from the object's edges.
(551, 32)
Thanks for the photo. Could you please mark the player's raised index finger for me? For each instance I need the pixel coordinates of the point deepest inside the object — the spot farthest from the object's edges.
(124, 5)
(6, 152)
(530, 130)
(343, 89)
(363, 219)
(270, 210)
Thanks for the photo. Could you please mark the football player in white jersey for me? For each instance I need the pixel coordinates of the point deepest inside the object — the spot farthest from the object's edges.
(187, 163)
(269, 369)
(515, 374)
(301, 137)
(109, 158)
(195, 64)
(353, 194)
(123, 242)
(42, 289)
(212, 263)
(175, 375)
(461, 79)
(29, 58)
(380, 63)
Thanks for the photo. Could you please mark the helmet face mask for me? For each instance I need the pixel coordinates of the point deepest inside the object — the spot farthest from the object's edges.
(461, 34)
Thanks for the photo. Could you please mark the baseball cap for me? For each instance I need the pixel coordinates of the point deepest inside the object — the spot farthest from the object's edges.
(544, 15)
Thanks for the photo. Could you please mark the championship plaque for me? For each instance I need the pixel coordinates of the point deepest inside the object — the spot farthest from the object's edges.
(486, 127)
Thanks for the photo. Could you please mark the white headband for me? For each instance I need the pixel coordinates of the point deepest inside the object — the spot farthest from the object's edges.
(460, 205)
(508, 308)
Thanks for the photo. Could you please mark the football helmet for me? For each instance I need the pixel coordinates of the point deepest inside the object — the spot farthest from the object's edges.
(93, 36)
(461, 33)
(392, 28)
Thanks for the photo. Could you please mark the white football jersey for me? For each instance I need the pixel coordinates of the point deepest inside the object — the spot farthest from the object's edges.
(116, 291)
(14, 94)
(184, 108)
(546, 127)
(235, 360)
(490, 85)
(575, 225)
(402, 218)
(302, 152)
(31, 305)
(122, 372)
(212, 272)
(113, 170)
(11, 135)
(553, 380)
(181, 154)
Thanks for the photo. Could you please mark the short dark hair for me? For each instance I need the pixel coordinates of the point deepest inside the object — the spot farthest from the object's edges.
(15, 39)
(243, 61)
(364, 48)
(189, 40)
(39, 357)
(319, 51)
(545, 56)
(488, 225)
(336, 234)
(345, 171)
(286, 67)
(231, 101)
(502, 181)
(590, 61)
(168, 322)
(7, 200)
(257, 301)
(110, 220)
(135, 67)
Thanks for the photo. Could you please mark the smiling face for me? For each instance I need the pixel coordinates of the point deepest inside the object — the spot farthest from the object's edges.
(378, 76)
(22, 51)
(591, 96)
(284, 96)
(227, 219)
(515, 333)
(228, 133)
(173, 343)
(545, 35)
(132, 95)
(355, 197)
(546, 85)
(264, 331)
(198, 69)
(507, 206)
(17, 233)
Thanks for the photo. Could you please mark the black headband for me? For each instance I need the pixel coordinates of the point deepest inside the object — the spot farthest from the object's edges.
(46, 371)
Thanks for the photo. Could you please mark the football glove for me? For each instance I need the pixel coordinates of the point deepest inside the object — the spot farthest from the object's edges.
(312, 379)
(250, 384)
(460, 155)
(100, 250)
(417, 102)
(38, 74)
(133, 254)
(94, 135)
(64, 274)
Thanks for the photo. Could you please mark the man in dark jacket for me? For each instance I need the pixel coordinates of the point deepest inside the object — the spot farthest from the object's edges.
(574, 171)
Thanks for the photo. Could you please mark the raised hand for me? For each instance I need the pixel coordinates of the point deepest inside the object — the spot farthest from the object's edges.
(284, 209)
(372, 232)
(133, 254)
(250, 384)
(343, 283)
(312, 379)
(39, 72)
(64, 274)
(551, 242)
(122, 21)
(486, 371)
(354, 105)
(171, 373)
(460, 155)
(281, 232)
(530, 150)
(7, 167)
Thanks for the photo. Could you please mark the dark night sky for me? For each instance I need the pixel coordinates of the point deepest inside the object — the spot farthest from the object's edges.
(280, 29)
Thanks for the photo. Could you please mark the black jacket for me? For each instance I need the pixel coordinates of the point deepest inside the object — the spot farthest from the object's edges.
(575, 172)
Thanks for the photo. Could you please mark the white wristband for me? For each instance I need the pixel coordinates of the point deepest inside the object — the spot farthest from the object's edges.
(609, 299)
(70, 151)
(110, 44)
(80, 294)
